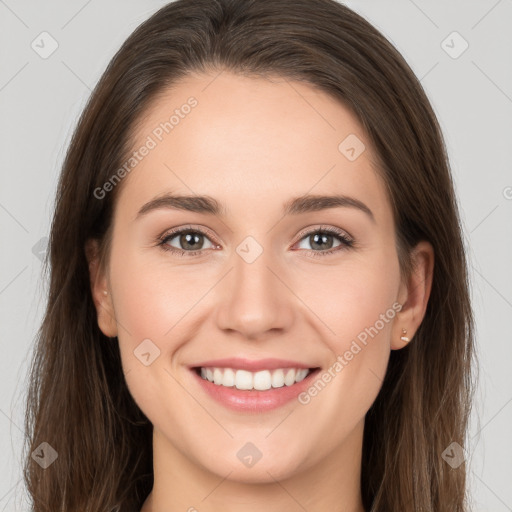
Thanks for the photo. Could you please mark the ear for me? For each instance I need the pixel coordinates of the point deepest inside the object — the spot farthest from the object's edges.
(414, 295)
(100, 290)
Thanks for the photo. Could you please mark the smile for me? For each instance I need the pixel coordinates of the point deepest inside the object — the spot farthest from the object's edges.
(253, 386)
(259, 381)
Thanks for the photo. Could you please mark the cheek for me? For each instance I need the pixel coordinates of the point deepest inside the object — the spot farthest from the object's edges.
(152, 296)
(154, 304)
(352, 299)
(356, 306)
(150, 302)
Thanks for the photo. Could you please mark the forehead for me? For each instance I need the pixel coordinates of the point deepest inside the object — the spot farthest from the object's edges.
(245, 140)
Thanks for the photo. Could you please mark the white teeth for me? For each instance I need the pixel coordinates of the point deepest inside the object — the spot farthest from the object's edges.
(289, 377)
(301, 374)
(217, 376)
(278, 379)
(243, 380)
(260, 381)
(228, 378)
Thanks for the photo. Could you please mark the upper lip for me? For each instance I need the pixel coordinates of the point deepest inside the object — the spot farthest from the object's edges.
(251, 365)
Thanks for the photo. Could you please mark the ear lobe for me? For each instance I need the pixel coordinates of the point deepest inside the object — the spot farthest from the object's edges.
(415, 295)
(100, 291)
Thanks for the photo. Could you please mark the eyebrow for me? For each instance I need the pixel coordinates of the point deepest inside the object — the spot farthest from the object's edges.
(209, 205)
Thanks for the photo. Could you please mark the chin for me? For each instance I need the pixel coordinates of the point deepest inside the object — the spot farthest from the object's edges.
(263, 471)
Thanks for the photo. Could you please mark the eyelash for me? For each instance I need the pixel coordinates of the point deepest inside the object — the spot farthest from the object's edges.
(346, 242)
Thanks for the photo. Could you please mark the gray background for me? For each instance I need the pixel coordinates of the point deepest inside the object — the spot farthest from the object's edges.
(40, 100)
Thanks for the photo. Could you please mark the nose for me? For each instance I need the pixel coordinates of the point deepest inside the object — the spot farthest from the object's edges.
(255, 301)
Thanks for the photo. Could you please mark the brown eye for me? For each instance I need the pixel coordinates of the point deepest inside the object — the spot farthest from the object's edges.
(325, 241)
(186, 240)
(320, 241)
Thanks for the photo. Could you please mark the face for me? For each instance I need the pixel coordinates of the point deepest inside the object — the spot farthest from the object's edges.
(256, 284)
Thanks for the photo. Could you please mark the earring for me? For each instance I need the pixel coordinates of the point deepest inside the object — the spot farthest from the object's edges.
(403, 337)
(104, 292)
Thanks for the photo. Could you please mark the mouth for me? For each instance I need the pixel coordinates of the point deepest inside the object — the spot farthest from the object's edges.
(245, 380)
(253, 387)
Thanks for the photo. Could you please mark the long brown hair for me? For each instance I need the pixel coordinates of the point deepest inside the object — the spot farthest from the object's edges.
(78, 401)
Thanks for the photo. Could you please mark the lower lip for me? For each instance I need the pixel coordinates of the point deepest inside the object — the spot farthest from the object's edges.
(254, 401)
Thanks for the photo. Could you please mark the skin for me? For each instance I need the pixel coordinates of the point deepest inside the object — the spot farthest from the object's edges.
(253, 144)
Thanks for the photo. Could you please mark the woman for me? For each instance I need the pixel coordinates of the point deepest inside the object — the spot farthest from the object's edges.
(258, 287)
